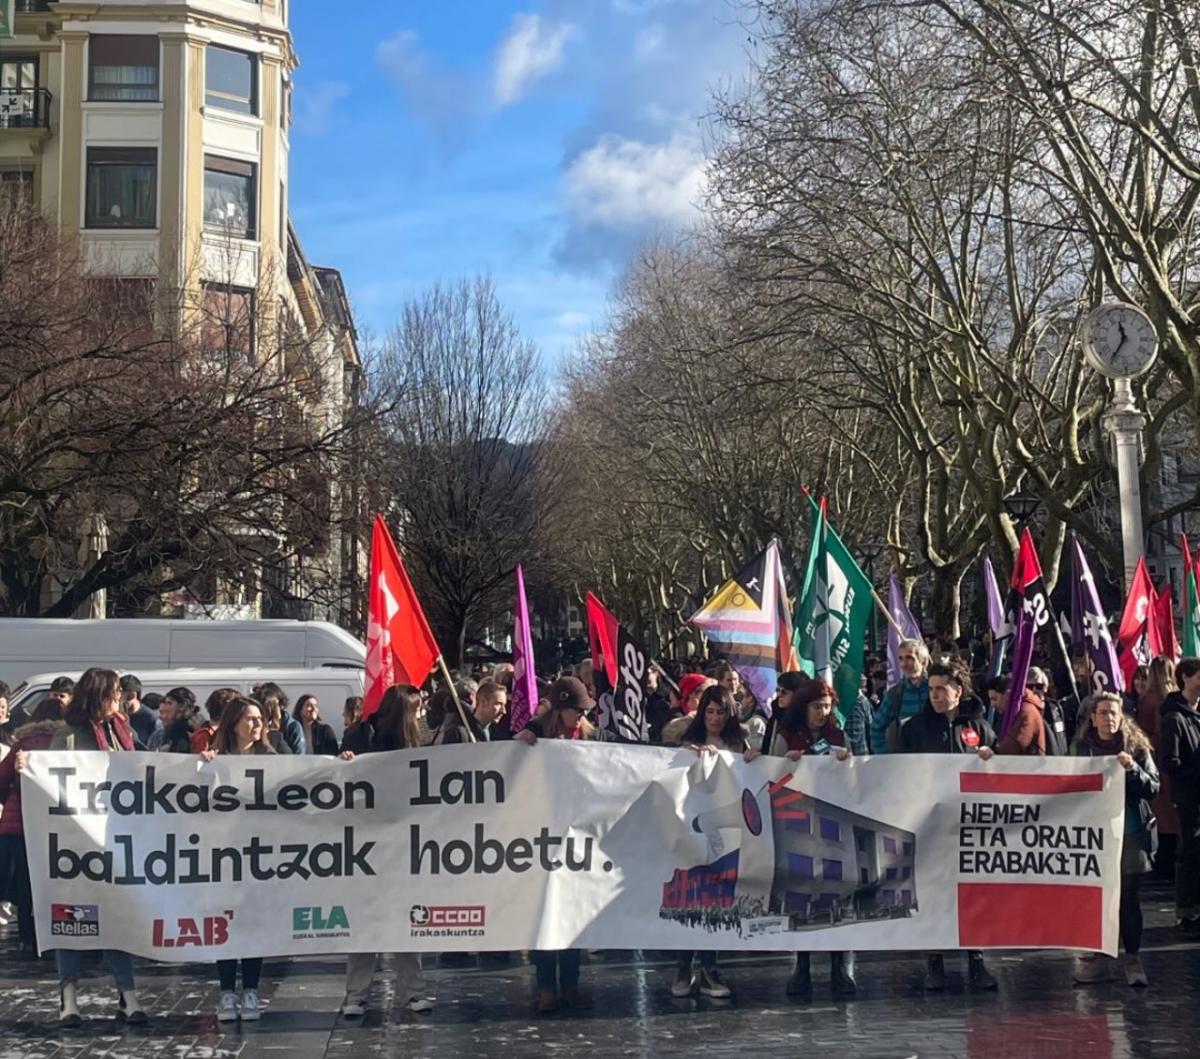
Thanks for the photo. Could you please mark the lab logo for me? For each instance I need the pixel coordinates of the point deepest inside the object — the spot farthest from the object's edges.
(182, 932)
(75, 921)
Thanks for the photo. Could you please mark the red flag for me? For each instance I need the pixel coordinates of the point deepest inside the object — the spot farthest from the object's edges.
(1137, 639)
(602, 637)
(1164, 621)
(400, 647)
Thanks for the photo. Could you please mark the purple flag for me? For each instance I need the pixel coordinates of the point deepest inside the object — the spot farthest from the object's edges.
(1089, 627)
(907, 623)
(1022, 656)
(524, 689)
(991, 590)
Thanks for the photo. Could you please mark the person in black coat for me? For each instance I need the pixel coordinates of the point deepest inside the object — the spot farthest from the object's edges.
(1179, 759)
(318, 736)
(951, 723)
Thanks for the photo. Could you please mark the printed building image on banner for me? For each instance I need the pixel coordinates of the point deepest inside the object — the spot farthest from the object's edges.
(827, 866)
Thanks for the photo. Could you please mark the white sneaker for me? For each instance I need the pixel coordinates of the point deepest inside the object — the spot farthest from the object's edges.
(1135, 973)
(227, 1009)
(712, 986)
(354, 1006)
(251, 1012)
(420, 1005)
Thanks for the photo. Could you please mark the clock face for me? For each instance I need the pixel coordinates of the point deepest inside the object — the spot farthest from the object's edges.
(1119, 340)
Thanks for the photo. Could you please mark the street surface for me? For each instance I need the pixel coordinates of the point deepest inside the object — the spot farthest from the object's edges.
(487, 1011)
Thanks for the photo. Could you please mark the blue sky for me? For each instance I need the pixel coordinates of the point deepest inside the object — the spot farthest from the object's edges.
(537, 142)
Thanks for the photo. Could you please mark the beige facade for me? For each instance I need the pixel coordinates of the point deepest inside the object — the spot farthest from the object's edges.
(159, 132)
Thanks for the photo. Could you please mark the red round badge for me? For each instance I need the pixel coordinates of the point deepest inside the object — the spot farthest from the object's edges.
(970, 737)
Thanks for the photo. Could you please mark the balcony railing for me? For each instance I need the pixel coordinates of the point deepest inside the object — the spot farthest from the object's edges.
(24, 108)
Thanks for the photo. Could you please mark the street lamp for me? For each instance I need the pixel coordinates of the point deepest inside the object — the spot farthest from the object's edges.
(871, 551)
(1021, 507)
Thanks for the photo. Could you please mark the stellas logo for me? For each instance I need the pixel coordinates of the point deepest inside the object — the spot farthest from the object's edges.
(180, 933)
(429, 921)
(315, 922)
(75, 921)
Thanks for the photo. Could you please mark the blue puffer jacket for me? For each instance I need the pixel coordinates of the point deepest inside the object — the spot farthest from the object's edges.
(901, 702)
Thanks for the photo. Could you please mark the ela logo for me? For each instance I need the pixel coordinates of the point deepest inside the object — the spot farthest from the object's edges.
(211, 930)
(315, 921)
(75, 921)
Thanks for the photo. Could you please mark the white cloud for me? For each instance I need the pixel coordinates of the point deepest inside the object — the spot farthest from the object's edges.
(314, 106)
(532, 49)
(572, 320)
(624, 183)
(648, 41)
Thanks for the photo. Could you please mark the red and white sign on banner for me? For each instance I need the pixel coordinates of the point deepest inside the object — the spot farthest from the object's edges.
(400, 646)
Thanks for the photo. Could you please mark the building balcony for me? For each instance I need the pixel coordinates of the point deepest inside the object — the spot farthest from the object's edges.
(26, 7)
(25, 109)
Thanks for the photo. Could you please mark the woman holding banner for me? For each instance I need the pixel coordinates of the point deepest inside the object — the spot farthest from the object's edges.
(558, 970)
(809, 726)
(715, 726)
(1109, 731)
(393, 726)
(95, 721)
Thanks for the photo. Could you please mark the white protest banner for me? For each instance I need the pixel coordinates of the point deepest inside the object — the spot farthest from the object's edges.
(507, 846)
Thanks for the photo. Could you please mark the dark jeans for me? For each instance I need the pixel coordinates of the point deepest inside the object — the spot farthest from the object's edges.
(15, 867)
(1187, 864)
(1131, 914)
(558, 969)
(227, 973)
(708, 960)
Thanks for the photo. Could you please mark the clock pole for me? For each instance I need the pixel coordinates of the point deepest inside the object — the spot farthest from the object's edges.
(1124, 421)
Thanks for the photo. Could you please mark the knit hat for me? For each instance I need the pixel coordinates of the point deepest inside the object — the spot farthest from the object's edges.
(688, 683)
(569, 693)
(809, 692)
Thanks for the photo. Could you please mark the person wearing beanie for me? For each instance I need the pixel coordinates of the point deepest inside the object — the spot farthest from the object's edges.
(808, 726)
(558, 970)
(691, 687)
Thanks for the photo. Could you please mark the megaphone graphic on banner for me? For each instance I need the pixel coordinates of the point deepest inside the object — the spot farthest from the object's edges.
(742, 813)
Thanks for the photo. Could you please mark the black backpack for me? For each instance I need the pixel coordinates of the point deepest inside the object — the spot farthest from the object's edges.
(1055, 723)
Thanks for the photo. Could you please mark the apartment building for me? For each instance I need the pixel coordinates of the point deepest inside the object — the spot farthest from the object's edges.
(158, 130)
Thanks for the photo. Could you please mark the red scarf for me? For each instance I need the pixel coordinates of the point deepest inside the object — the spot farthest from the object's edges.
(119, 727)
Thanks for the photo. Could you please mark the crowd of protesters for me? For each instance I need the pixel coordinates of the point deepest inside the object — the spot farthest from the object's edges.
(936, 706)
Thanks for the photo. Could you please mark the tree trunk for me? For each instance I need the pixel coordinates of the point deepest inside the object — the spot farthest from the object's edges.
(945, 599)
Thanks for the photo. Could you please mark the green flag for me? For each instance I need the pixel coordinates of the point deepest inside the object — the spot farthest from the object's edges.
(1191, 615)
(832, 614)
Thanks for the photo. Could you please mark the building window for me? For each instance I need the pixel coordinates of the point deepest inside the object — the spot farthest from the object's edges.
(123, 69)
(227, 330)
(16, 186)
(831, 869)
(230, 80)
(230, 196)
(800, 866)
(121, 187)
(831, 830)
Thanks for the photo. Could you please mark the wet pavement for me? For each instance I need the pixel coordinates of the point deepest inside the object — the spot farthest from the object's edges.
(487, 1011)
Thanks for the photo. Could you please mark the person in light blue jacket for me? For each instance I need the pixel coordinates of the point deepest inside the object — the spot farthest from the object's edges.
(902, 701)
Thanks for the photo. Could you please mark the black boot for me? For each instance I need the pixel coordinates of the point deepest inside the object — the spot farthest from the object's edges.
(935, 974)
(978, 973)
(800, 984)
(841, 974)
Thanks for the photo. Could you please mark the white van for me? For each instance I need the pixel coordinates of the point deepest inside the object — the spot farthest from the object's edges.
(38, 645)
(332, 687)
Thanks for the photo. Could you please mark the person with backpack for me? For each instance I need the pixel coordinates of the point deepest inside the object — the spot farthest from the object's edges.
(904, 700)
(952, 723)
(1026, 736)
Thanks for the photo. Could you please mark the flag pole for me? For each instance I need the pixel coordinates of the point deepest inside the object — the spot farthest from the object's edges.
(888, 614)
(454, 695)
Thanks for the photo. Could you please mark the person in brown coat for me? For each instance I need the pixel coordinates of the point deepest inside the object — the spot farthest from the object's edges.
(1026, 736)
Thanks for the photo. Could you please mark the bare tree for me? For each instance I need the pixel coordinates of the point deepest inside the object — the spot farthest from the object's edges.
(464, 468)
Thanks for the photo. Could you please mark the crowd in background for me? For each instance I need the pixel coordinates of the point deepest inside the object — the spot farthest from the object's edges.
(935, 706)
